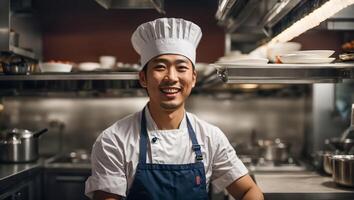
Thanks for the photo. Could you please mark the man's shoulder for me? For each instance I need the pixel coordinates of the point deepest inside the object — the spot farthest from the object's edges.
(123, 126)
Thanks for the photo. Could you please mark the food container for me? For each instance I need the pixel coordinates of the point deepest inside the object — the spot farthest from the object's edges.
(19, 145)
(343, 170)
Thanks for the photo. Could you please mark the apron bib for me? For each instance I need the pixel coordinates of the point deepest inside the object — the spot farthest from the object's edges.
(168, 181)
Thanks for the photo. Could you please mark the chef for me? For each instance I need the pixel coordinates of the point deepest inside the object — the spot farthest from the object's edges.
(163, 151)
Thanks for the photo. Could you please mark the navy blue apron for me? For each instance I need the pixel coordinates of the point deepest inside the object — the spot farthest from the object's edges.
(168, 181)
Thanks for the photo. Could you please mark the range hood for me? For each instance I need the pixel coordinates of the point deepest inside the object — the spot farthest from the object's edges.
(257, 22)
(133, 4)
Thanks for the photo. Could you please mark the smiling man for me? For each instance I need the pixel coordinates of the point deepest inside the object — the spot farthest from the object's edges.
(164, 152)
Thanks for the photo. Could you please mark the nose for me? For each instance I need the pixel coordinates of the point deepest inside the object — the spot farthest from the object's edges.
(172, 74)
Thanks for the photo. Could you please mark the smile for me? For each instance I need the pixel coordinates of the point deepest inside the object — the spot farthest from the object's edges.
(170, 90)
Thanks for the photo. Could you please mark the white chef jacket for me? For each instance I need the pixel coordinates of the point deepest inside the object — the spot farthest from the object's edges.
(115, 154)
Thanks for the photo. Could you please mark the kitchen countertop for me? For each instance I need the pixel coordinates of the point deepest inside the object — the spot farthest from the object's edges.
(305, 184)
(10, 173)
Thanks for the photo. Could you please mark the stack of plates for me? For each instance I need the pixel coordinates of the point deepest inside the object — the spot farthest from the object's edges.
(244, 61)
(307, 57)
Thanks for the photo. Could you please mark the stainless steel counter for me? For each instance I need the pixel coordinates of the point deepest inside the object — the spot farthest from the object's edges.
(12, 174)
(301, 185)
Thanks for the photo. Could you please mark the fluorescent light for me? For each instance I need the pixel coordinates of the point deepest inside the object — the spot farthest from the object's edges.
(311, 20)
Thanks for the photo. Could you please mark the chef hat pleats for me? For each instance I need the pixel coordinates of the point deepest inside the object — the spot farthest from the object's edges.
(166, 36)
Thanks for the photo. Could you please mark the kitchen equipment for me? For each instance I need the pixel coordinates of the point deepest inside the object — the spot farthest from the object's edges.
(343, 170)
(341, 145)
(14, 38)
(19, 145)
(322, 161)
(277, 150)
(327, 162)
(16, 66)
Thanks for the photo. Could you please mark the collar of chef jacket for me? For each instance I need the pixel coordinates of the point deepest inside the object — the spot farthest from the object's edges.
(151, 125)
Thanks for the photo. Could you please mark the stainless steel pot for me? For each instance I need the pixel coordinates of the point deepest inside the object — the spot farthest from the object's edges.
(276, 150)
(327, 162)
(338, 144)
(19, 145)
(343, 170)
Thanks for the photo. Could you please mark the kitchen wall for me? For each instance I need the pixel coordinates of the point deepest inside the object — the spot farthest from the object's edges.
(82, 30)
(84, 118)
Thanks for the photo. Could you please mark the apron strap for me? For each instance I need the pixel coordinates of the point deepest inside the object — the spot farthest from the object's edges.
(144, 140)
(195, 145)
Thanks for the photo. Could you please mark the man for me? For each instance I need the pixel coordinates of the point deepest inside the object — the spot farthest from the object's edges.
(163, 152)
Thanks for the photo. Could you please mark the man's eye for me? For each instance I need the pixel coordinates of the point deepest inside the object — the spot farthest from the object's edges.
(182, 68)
(160, 67)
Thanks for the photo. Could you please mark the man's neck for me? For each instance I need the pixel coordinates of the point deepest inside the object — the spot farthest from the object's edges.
(166, 119)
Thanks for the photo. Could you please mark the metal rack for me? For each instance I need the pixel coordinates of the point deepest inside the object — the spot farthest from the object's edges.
(285, 73)
(72, 76)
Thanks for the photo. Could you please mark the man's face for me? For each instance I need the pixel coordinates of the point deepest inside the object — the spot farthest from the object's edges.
(169, 80)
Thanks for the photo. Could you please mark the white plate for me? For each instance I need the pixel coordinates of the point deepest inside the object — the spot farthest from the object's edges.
(304, 60)
(246, 61)
(55, 67)
(317, 53)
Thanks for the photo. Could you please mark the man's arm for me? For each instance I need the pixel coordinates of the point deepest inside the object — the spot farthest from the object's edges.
(101, 195)
(245, 188)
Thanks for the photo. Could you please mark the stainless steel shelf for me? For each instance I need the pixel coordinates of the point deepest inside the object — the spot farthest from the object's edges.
(285, 73)
(22, 52)
(72, 76)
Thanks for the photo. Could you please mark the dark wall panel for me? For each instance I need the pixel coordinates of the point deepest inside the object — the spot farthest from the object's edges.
(81, 30)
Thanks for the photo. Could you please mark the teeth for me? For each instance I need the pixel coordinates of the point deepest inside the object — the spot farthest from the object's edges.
(170, 90)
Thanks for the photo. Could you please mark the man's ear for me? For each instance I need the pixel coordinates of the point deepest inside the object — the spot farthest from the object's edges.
(142, 79)
(194, 78)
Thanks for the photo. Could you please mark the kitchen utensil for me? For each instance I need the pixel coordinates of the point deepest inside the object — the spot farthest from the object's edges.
(277, 150)
(16, 67)
(343, 170)
(19, 145)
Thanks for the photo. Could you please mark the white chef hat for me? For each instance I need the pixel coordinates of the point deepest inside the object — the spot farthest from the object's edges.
(166, 36)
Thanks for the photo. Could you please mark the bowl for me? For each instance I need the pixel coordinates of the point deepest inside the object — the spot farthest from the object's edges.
(55, 67)
(88, 66)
